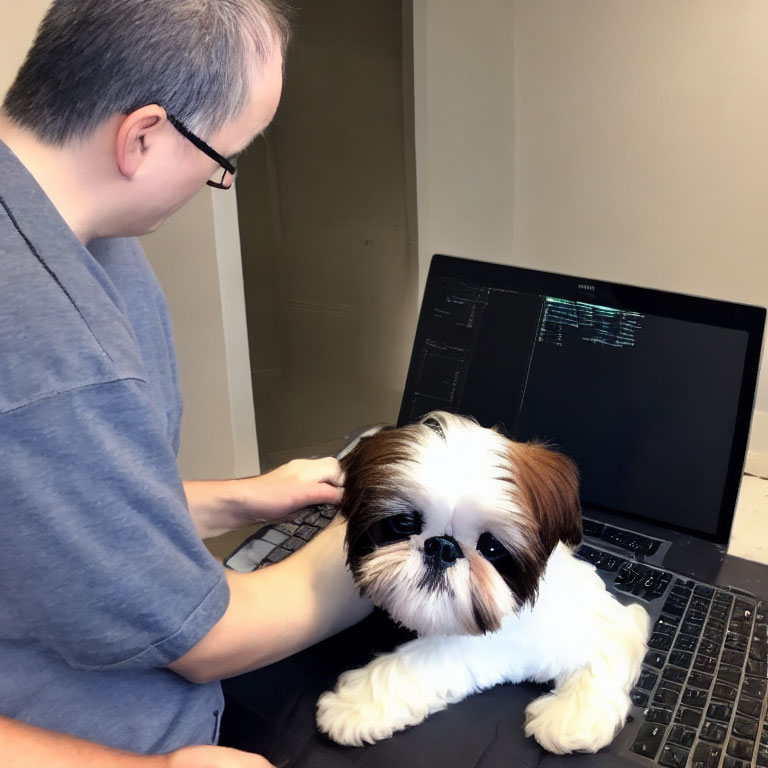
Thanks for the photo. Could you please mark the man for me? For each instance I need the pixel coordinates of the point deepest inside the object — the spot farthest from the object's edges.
(115, 623)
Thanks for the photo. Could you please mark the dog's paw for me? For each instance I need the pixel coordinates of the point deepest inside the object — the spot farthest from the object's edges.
(363, 711)
(564, 722)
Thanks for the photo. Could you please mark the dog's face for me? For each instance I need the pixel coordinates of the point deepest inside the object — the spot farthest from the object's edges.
(450, 525)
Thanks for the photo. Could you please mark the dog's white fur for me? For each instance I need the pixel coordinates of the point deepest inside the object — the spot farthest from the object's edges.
(574, 632)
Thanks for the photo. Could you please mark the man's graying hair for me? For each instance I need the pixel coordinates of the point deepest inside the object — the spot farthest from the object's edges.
(93, 59)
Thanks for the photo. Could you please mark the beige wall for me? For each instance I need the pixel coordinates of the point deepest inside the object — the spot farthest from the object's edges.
(18, 22)
(196, 255)
(328, 231)
(606, 138)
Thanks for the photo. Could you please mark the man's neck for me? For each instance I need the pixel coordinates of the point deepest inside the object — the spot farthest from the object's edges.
(64, 174)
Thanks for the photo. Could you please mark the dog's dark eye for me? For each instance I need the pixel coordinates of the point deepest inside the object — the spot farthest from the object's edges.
(490, 547)
(404, 524)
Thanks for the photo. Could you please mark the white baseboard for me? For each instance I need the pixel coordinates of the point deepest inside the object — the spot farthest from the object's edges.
(757, 452)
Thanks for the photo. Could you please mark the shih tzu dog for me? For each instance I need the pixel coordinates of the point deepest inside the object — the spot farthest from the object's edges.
(466, 538)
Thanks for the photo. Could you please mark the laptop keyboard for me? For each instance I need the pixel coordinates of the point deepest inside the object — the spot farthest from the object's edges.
(703, 682)
(629, 541)
(632, 578)
(273, 543)
(702, 688)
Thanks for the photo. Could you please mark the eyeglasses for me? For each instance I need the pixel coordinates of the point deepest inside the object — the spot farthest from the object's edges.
(227, 166)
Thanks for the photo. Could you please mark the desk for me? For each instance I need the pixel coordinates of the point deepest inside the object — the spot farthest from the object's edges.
(749, 535)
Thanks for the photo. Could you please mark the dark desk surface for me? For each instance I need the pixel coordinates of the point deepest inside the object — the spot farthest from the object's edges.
(272, 711)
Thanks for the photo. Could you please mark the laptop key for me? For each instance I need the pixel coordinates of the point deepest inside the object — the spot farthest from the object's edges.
(648, 739)
(741, 749)
(681, 735)
(732, 762)
(700, 680)
(688, 716)
(647, 680)
(720, 711)
(690, 627)
(675, 605)
(734, 642)
(680, 658)
(757, 668)
(745, 727)
(749, 707)
(705, 664)
(684, 643)
(592, 528)
(306, 532)
(754, 686)
(724, 691)
(695, 615)
(609, 563)
(673, 756)
(293, 543)
(288, 527)
(706, 756)
(666, 696)
(655, 659)
(314, 519)
(276, 555)
(714, 732)
(734, 658)
(728, 674)
(660, 642)
(709, 647)
(674, 674)
(694, 697)
(667, 626)
(716, 623)
(658, 715)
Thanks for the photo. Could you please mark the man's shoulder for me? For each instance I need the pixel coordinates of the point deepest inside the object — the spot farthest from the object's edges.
(59, 330)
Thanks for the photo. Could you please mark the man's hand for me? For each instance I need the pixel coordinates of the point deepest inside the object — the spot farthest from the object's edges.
(27, 746)
(215, 757)
(220, 506)
(288, 489)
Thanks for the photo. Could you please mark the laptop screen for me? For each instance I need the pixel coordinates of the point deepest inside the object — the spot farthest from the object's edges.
(650, 392)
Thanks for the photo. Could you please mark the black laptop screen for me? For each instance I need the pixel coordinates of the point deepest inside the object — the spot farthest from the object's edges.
(649, 392)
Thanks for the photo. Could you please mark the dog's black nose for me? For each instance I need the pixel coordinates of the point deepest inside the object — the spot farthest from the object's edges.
(442, 550)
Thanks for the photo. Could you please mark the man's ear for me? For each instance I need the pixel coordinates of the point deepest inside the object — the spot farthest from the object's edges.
(135, 135)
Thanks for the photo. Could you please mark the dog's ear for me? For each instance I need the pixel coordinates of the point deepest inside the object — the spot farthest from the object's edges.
(549, 484)
(364, 465)
(368, 479)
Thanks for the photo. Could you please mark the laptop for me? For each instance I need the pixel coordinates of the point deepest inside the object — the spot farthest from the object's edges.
(651, 393)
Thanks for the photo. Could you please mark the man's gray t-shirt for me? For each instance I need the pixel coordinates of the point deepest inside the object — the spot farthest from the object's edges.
(103, 581)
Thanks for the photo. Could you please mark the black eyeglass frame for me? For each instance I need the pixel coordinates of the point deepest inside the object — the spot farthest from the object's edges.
(207, 149)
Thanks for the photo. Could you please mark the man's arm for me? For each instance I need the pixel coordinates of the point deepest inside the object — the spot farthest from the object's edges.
(25, 746)
(218, 506)
(278, 611)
